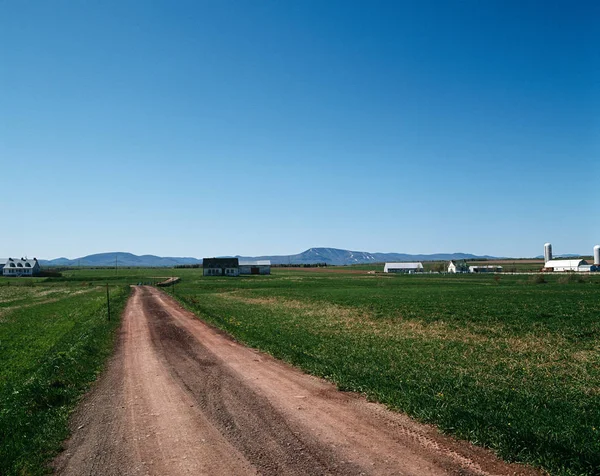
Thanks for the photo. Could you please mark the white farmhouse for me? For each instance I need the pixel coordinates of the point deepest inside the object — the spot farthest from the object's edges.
(403, 268)
(454, 267)
(255, 267)
(558, 265)
(20, 267)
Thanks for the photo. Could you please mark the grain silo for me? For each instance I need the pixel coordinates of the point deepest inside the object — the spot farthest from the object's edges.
(597, 255)
(547, 252)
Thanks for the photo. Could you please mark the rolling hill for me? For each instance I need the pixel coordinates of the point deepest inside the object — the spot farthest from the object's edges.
(331, 256)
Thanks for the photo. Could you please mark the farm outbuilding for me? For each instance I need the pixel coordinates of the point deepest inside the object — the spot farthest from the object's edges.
(485, 269)
(457, 267)
(220, 267)
(20, 267)
(561, 265)
(403, 268)
(255, 267)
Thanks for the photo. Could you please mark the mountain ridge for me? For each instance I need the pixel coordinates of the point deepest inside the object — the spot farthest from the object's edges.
(331, 256)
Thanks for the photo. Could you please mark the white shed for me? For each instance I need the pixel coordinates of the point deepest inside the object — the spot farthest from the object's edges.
(255, 267)
(403, 268)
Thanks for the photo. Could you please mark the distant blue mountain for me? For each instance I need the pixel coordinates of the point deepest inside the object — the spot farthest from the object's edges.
(331, 256)
(120, 259)
(334, 256)
(562, 256)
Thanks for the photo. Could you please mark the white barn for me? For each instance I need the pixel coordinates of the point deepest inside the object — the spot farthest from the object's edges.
(403, 268)
(559, 265)
(255, 267)
(20, 267)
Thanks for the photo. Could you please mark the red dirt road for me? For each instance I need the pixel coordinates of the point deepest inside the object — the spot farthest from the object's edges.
(179, 397)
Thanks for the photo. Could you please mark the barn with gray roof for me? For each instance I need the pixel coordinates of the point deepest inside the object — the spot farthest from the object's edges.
(220, 267)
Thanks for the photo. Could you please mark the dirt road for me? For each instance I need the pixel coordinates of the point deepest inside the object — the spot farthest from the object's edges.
(179, 397)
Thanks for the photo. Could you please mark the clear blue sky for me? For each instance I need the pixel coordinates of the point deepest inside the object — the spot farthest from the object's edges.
(268, 127)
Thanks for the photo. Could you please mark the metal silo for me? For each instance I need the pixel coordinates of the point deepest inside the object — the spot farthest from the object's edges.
(597, 255)
(547, 252)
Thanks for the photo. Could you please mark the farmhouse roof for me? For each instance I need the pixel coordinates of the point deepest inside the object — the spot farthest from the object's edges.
(403, 265)
(260, 262)
(220, 263)
(18, 263)
(563, 263)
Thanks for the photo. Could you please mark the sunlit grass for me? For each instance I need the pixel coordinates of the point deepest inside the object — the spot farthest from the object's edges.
(53, 341)
(506, 363)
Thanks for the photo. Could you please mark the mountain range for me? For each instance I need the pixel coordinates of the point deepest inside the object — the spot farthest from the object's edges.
(334, 256)
(120, 259)
(331, 256)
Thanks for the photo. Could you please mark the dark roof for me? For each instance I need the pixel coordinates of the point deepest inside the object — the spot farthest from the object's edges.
(220, 263)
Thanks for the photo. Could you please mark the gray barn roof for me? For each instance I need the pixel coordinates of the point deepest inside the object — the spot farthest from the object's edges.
(403, 265)
(220, 263)
(18, 263)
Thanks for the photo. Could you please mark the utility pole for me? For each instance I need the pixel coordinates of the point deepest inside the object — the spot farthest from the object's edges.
(116, 264)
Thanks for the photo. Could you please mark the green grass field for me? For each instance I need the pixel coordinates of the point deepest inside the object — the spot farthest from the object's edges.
(505, 362)
(54, 339)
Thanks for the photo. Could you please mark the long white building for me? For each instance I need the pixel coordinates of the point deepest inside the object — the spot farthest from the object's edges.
(403, 268)
(485, 269)
(565, 264)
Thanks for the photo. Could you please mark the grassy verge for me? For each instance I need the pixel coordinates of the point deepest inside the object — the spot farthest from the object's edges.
(508, 363)
(54, 340)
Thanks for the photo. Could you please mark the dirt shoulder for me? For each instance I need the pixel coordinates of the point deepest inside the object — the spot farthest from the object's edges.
(179, 397)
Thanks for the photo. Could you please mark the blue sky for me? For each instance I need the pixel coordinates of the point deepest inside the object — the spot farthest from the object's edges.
(268, 127)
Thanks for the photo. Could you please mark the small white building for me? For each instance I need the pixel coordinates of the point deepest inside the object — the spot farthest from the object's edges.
(255, 267)
(403, 268)
(560, 265)
(20, 267)
(485, 269)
